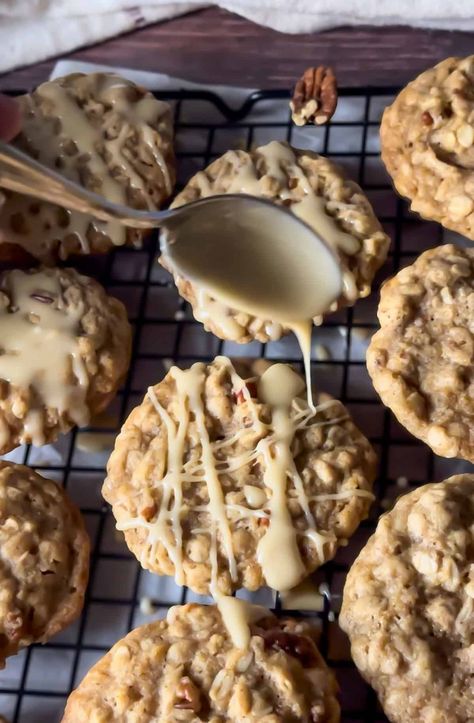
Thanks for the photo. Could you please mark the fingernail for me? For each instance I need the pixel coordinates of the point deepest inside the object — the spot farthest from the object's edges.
(10, 117)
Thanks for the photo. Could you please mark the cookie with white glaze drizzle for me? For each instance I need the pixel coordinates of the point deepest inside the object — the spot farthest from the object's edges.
(103, 132)
(227, 482)
(187, 668)
(64, 351)
(316, 190)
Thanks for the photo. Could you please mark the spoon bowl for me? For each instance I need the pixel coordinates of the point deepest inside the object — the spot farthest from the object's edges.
(255, 256)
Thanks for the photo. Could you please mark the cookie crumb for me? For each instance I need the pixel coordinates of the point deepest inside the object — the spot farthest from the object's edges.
(95, 442)
(146, 606)
(322, 353)
(402, 482)
(361, 333)
(325, 591)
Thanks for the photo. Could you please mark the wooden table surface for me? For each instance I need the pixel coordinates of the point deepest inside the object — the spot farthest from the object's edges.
(216, 46)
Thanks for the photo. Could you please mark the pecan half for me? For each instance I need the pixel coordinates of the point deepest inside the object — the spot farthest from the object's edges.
(188, 697)
(314, 97)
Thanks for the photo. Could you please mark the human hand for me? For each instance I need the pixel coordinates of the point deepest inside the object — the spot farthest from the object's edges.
(10, 118)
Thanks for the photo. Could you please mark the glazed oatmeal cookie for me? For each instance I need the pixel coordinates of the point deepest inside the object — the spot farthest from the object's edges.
(44, 559)
(408, 605)
(103, 132)
(315, 189)
(65, 349)
(186, 668)
(421, 360)
(207, 478)
(427, 139)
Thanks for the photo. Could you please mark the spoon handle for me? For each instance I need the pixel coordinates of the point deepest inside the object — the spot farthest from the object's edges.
(23, 174)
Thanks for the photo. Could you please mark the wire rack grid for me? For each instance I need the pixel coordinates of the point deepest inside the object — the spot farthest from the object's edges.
(35, 684)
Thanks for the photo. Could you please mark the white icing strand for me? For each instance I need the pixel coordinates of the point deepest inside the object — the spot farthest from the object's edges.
(319, 540)
(302, 330)
(76, 125)
(240, 510)
(172, 483)
(345, 495)
(277, 550)
(214, 582)
(191, 383)
(237, 615)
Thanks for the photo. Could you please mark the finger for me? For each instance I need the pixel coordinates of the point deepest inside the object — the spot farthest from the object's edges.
(10, 118)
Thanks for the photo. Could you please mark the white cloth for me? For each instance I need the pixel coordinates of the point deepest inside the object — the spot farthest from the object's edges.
(32, 30)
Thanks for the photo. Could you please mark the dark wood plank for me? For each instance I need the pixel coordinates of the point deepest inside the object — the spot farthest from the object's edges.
(215, 46)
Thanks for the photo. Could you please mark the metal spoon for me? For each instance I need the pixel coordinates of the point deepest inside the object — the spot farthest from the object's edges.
(219, 216)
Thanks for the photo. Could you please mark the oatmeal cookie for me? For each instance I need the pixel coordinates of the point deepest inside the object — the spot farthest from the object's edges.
(409, 605)
(315, 189)
(65, 349)
(103, 132)
(421, 360)
(205, 484)
(427, 140)
(186, 668)
(44, 559)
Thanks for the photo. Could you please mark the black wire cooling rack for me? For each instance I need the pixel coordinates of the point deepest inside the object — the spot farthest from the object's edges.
(35, 684)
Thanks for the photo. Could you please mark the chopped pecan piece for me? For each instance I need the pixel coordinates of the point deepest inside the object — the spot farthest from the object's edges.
(149, 512)
(188, 697)
(252, 390)
(314, 97)
(298, 646)
(427, 118)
